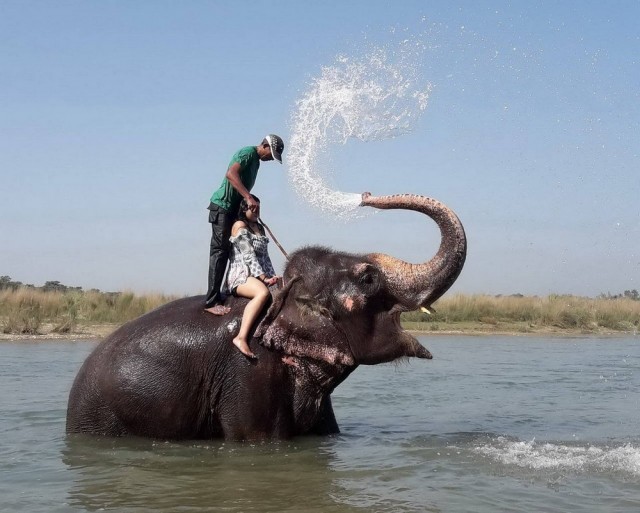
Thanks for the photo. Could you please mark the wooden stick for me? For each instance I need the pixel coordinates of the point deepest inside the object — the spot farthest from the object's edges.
(274, 238)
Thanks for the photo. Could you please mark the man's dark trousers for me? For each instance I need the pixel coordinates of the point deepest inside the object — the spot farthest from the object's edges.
(221, 222)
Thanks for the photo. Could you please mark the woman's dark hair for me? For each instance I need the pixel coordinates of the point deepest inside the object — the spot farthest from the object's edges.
(244, 206)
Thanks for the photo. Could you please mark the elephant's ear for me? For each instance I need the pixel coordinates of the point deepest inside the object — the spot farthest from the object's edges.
(301, 327)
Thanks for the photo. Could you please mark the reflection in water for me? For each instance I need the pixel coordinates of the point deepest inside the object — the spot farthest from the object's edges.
(217, 476)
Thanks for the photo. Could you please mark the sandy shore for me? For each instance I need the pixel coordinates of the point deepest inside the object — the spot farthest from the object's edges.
(99, 331)
(88, 332)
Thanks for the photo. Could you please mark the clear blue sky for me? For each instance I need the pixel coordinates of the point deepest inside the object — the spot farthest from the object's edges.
(118, 119)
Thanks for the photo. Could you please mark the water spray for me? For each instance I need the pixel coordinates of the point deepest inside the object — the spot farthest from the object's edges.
(370, 98)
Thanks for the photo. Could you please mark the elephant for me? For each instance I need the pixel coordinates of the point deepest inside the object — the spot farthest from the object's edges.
(174, 374)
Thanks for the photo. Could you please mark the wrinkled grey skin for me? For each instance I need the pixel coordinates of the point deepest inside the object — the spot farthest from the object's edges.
(174, 373)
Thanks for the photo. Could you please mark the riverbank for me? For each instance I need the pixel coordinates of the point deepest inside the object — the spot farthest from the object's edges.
(28, 314)
(516, 330)
(100, 331)
(48, 332)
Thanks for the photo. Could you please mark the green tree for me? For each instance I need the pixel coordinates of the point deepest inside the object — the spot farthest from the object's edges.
(53, 286)
(632, 294)
(7, 283)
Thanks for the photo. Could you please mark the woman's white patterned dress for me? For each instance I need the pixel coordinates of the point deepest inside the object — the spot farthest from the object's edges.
(248, 256)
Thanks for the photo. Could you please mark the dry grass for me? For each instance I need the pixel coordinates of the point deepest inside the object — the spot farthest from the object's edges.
(26, 310)
(563, 312)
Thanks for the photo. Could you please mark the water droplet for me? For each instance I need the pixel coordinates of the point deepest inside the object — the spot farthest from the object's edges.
(368, 99)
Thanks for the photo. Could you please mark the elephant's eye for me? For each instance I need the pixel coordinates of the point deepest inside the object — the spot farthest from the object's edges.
(367, 279)
(369, 283)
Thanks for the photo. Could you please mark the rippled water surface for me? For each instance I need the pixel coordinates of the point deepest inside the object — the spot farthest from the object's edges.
(491, 424)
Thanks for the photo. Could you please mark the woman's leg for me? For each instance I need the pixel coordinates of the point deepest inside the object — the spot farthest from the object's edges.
(259, 294)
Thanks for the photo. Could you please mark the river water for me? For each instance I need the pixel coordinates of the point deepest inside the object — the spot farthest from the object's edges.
(492, 424)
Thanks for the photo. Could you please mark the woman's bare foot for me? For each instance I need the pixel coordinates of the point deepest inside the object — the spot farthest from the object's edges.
(218, 310)
(242, 345)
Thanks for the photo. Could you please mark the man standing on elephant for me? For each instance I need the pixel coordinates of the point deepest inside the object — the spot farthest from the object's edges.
(223, 209)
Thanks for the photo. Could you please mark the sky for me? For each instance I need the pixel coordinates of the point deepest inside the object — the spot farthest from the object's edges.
(118, 120)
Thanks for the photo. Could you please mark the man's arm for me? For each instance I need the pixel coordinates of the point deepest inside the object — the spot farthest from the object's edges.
(233, 175)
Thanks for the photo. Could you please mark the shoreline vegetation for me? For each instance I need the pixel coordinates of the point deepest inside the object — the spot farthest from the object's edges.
(36, 313)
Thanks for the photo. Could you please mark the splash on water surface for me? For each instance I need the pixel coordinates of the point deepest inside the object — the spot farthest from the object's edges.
(371, 98)
(548, 456)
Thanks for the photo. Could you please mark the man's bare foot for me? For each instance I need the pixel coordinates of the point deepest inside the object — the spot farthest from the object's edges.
(242, 345)
(218, 310)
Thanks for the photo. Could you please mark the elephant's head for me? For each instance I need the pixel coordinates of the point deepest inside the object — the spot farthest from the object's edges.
(344, 309)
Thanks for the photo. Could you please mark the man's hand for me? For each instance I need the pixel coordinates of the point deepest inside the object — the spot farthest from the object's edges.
(251, 203)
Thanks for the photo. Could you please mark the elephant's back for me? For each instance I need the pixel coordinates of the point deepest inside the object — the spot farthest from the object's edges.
(178, 327)
(178, 336)
(182, 322)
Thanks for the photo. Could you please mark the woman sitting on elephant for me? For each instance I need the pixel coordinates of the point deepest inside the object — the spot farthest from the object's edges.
(250, 270)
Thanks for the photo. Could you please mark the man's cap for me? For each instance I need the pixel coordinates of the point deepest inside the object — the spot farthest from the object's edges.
(277, 146)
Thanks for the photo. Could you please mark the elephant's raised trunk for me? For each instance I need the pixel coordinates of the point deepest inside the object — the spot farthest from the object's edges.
(420, 285)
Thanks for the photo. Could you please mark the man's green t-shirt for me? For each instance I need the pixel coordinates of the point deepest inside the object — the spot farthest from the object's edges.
(226, 196)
